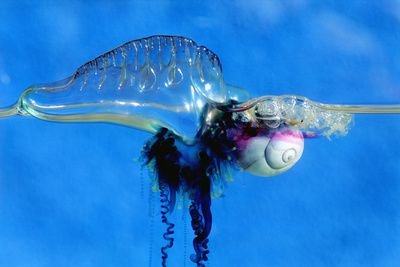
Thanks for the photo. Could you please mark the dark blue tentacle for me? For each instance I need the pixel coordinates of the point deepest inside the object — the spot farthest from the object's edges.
(168, 234)
(200, 209)
(161, 153)
(201, 227)
(191, 169)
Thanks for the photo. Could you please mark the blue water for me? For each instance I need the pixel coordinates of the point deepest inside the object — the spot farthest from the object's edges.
(74, 194)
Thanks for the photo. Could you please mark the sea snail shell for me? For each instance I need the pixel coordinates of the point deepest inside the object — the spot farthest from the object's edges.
(272, 155)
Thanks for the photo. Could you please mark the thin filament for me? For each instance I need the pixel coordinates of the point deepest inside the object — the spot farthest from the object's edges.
(363, 109)
(8, 111)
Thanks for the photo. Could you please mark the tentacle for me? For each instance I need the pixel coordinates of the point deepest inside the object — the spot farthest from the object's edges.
(168, 234)
(151, 231)
(161, 153)
(201, 226)
(192, 169)
(200, 209)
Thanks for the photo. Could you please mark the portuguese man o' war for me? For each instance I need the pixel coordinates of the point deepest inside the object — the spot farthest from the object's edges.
(203, 128)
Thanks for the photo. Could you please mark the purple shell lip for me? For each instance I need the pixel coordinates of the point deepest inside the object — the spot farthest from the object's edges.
(288, 135)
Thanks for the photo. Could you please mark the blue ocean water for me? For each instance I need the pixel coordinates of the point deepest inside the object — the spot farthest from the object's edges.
(75, 194)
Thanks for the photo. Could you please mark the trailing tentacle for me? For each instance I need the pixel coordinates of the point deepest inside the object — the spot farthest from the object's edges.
(190, 168)
(200, 242)
(200, 209)
(161, 154)
(168, 234)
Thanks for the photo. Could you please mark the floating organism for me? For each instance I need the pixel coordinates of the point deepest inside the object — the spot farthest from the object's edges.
(203, 128)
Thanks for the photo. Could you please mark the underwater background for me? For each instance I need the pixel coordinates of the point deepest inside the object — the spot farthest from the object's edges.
(76, 195)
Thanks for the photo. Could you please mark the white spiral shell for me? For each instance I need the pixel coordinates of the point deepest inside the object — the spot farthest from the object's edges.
(269, 156)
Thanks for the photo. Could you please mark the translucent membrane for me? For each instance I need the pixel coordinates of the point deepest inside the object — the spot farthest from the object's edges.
(147, 83)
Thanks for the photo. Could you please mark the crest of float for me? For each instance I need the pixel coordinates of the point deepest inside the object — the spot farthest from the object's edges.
(146, 84)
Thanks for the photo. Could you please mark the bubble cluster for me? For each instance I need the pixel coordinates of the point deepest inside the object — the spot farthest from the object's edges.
(301, 113)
